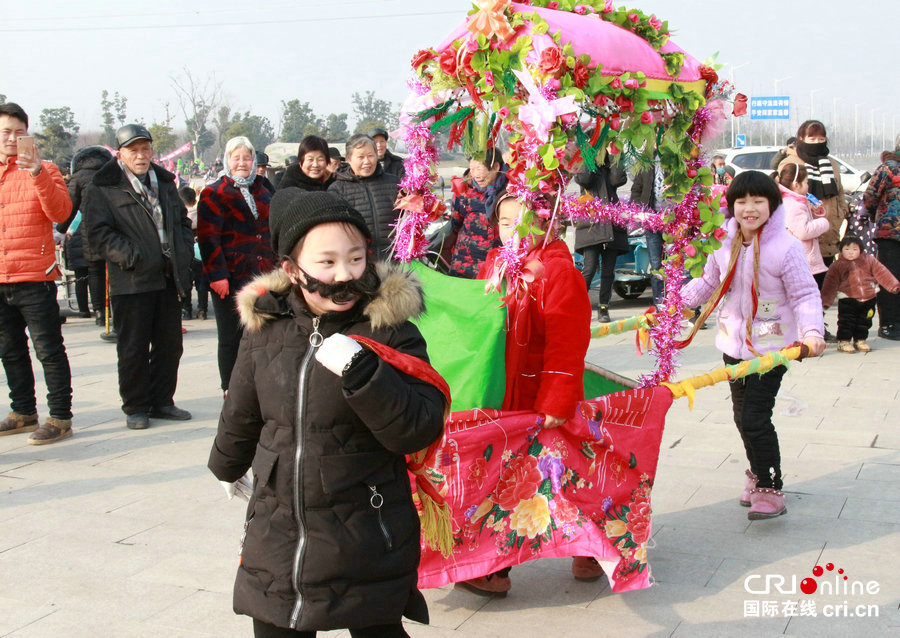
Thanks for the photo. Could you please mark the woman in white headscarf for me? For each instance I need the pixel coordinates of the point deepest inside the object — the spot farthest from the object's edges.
(233, 233)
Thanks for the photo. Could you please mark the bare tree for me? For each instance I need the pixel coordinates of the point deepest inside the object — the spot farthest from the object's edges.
(198, 99)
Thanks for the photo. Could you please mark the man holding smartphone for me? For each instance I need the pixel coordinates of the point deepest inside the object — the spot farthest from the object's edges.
(33, 196)
(136, 220)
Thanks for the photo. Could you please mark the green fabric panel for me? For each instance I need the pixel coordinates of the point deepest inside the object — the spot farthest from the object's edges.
(465, 332)
(596, 385)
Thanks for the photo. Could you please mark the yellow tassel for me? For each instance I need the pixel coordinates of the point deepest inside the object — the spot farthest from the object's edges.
(436, 524)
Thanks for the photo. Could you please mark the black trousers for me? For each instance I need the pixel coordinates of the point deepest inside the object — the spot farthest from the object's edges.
(752, 400)
(149, 347)
(854, 318)
(33, 305)
(97, 284)
(200, 285)
(265, 630)
(889, 303)
(228, 325)
(605, 257)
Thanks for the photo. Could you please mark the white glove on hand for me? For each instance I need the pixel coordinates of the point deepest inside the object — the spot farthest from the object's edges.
(242, 488)
(59, 238)
(336, 352)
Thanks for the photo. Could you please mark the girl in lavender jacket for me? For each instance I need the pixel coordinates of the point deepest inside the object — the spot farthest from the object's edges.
(767, 300)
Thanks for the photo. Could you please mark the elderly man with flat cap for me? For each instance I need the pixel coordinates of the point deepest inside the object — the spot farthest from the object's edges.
(138, 223)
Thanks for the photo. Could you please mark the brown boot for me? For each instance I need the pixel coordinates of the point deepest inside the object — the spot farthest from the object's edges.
(52, 431)
(17, 423)
(491, 585)
(586, 568)
(862, 346)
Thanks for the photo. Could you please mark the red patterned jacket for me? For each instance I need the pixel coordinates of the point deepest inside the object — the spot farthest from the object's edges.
(233, 244)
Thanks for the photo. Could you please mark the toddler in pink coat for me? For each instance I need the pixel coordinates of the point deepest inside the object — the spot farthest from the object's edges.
(767, 300)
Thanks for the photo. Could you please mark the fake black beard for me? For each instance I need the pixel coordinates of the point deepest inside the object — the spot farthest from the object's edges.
(365, 288)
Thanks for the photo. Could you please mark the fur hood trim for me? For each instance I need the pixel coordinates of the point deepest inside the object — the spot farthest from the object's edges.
(400, 298)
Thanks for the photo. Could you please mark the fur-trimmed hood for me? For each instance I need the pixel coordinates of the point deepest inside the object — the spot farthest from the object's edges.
(400, 298)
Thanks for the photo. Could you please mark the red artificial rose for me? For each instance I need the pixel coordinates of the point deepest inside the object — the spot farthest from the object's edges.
(709, 74)
(552, 5)
(740, 105)
(422, 57)
(551, 60)
(635, 18)
(467, 63)
(581, 75)
(690, 250)
(519, 481)
(600, 99)
(625, 105)
(646, 117)
(448, 61)
(616, 83)
(615, 122)
(720, 233)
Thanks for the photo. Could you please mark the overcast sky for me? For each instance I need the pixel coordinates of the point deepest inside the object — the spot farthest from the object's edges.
(64, 53)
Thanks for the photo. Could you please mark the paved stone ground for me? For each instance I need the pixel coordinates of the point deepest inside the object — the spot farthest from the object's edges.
(116, 533)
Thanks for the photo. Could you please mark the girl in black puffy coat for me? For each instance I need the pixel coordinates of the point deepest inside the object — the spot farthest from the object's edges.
(331, 538)
(366, 187)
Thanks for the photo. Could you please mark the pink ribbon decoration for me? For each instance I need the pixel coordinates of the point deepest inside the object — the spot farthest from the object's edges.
(540, 113)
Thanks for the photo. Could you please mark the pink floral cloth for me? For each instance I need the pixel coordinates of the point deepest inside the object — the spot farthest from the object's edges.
(519, 491)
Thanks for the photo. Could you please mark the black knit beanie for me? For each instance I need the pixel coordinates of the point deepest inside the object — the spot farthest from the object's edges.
(293, 212)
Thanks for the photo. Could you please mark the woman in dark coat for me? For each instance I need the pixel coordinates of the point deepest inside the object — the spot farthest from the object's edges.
(311, 172)
(331, 538)
(90, 272)
(233, 234)
(601, 244)
(364, 185)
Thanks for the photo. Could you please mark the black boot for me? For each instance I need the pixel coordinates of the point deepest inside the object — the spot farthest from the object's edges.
(603, 314)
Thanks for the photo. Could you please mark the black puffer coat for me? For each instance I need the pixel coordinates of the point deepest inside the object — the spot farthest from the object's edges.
(122, 231)
(374, 198)
(601, 184)
(319, 446)
(392, 164)
(294, 176)
(86, 162)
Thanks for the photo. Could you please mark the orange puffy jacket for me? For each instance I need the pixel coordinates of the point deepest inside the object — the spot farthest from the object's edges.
(28, 207)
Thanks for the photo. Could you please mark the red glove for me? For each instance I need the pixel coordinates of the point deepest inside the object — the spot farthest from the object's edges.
(220, 287)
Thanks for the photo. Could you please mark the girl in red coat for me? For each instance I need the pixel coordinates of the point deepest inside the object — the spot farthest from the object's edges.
(548, 332)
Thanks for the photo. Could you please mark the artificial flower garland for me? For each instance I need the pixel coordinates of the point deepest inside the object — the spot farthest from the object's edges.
(507, 72)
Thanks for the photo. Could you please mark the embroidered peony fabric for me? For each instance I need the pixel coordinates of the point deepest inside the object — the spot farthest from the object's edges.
(519, 491)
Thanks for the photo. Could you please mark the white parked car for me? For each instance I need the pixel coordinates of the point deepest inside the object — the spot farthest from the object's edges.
(759, 158)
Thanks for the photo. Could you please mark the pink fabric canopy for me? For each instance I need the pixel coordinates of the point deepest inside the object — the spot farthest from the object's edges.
(618, 50)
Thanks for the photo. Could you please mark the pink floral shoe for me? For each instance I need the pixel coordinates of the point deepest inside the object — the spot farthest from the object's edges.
(749, 484)
(766, 502)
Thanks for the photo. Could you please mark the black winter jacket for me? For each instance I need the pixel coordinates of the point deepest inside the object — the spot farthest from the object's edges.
(86, 162)
(601, 184)
(316, 553)
(392, 164)
(122, 231)
(294, 176)
(374, 198)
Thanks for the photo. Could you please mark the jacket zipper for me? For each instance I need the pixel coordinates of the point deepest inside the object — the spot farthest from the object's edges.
(376, 236)
(376, 501)
(315, 340)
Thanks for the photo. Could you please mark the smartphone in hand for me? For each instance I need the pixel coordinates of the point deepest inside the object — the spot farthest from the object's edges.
(25, 147)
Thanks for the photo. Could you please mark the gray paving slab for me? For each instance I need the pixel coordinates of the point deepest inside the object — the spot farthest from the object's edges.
(121, 533)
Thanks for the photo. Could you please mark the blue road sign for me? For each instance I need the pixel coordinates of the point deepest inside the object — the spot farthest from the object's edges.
(740, 141)
(775, 107)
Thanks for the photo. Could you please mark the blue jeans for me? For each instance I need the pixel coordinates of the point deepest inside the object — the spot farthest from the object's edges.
(33, 305)
(655, 254)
